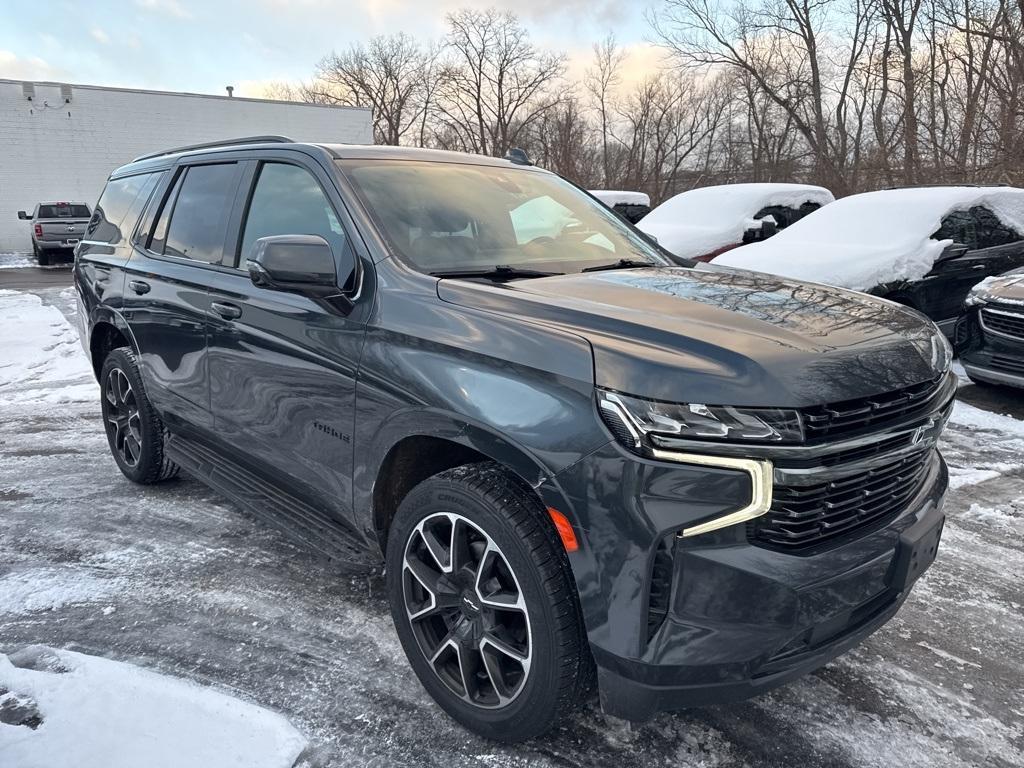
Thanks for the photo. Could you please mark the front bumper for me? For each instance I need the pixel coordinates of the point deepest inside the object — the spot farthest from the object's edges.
(739, 618)
(987, 355)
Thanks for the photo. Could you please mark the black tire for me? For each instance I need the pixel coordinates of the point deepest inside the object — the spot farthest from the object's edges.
(500, 506)
(135, 433)
(41, 256)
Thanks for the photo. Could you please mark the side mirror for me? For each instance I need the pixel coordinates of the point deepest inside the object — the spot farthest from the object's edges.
(953, 251)
(24, 216)
(301, 264)
(298, 263)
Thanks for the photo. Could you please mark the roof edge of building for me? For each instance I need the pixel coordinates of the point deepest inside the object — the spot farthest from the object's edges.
(189, 94)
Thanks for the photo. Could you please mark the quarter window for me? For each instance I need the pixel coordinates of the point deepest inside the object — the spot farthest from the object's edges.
(288, 200)
(193, 222)
(119, 197)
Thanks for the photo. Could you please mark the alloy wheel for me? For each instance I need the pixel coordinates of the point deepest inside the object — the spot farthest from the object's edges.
(467, 610)
(122, 414)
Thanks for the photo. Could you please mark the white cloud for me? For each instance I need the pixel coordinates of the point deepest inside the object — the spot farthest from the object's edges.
(641, 60)
(99, 36)
(167, 7)
(17, 67)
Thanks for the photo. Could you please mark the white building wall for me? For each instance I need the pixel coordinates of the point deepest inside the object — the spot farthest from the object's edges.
(52, 150)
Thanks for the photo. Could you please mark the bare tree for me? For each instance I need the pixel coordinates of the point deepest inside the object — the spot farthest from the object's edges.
(495, 83)
(601, 81)
(388, 74)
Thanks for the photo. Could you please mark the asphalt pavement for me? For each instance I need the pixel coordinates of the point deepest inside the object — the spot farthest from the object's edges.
(174, 578)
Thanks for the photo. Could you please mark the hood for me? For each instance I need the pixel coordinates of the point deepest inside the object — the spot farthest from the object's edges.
(723, 337)
(1007, 288)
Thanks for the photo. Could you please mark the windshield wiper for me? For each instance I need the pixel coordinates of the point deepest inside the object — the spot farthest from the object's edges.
(620, 264)
(497, 272)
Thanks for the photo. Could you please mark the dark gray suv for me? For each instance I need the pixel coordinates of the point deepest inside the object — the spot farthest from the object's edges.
(578, 460)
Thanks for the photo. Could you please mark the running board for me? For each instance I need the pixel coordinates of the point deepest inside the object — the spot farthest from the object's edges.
(314, 528)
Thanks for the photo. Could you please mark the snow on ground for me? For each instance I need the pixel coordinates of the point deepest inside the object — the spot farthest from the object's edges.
(176, 580)
(16, 260)
(700, 221)
(40, 355)
(612, 197)
(865, 240)
(70, 710)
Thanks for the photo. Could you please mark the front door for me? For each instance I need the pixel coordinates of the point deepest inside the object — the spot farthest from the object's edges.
(283, 366)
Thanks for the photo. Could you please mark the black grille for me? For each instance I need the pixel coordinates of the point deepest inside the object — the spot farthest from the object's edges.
(1007, 365)
(1010, 325)
(661, 589)
(802, 517)
(851, 416)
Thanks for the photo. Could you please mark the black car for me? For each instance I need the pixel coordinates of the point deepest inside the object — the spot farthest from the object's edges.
(990, 335)
(574, 457)
(922, 247)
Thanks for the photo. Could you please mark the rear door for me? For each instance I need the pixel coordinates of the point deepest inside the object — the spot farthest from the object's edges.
(283, 366)
(106, 244)
(178, 249)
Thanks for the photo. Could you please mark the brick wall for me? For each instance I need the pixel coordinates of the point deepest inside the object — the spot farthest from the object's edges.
(50, 150)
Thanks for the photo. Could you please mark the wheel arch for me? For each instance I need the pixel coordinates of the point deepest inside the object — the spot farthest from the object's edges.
(108, 331)
(415, 446)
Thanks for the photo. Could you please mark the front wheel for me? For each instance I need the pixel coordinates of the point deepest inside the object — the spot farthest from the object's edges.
(135, 432)
(484, 603)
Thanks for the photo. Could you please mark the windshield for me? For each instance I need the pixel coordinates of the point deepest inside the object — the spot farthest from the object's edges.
(63, 211)
(447, 217)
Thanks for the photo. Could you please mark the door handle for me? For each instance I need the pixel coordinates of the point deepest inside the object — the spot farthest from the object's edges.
(138, 286)
(227, 311)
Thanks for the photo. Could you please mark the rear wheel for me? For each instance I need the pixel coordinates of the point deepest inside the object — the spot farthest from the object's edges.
(484, 603)
(135, 432)
(41, 256)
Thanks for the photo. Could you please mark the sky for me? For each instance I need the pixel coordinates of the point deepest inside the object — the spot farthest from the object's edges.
(197, 46)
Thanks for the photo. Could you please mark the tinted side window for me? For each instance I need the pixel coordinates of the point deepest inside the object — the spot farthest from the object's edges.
(119, 196)
(976, 228)
(288, 200)
(198, 215)
(991, 231)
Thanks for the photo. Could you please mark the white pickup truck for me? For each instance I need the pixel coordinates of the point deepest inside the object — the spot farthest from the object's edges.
(56, 228)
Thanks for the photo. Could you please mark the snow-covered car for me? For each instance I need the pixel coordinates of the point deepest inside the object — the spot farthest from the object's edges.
(923, 247)
(633, 205)
(702, 223)
(990, 335)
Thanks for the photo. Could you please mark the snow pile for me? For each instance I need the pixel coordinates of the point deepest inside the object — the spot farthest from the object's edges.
(866, 240)
(1011, 518)
(16, 261)
(966, 415)
(40, 356)
(613, 197)
(702, 220)
(47, 589)
(65, 709)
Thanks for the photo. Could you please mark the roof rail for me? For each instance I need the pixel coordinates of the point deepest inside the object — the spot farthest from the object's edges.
(224, 143)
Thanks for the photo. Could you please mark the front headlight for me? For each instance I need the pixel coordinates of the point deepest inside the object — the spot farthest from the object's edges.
(636, 421)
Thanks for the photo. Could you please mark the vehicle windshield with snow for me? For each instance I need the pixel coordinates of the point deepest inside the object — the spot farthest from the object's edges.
(705, 222)
(923, 247)
(577, 459)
